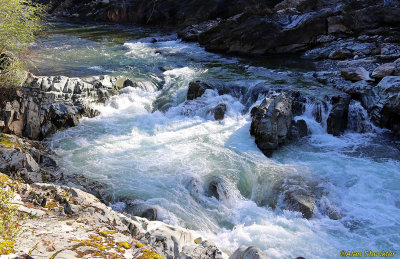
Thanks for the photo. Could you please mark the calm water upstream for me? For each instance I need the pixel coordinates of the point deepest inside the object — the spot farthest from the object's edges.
(156, 150)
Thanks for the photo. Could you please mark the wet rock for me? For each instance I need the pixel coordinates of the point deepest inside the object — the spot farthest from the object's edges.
(219, 111)
(301, 128)
(388, 106)
(337, 120)
(128, 83)
(383, 70)
(197, 89)
(150, 214)
(251, 252)
(219, 189)
(272, 122)
(355, 74)
(301, 200)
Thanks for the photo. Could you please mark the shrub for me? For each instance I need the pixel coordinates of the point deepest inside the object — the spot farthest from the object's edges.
(20, 21)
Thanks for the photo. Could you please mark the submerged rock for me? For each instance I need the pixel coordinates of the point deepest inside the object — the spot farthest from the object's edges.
(301, 200)
(219, 111)
(272, 123)
(219, 189)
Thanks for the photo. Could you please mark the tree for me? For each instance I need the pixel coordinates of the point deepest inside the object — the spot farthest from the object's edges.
(20, 20)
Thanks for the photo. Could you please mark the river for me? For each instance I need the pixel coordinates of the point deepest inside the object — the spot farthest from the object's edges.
(155, 149)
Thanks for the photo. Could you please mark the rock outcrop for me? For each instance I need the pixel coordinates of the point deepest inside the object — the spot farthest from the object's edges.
(272, 123)
(66, 222)
(48, 104)
(251, 252)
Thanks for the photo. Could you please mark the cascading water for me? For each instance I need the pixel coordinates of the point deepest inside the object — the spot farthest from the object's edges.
(156, 150)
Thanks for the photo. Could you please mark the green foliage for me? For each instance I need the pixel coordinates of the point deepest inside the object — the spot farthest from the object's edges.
(20, 20)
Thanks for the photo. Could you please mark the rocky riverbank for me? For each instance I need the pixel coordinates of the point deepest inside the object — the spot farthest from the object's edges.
(65, 222)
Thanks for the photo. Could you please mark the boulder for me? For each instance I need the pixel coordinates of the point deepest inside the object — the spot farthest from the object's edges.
(355, 74)
(204, 249)
(301, 200)
(219, 111)
(341, 54)
(337, 119)
(197, 89)
(251, 252)
(272, 123)
(150, 214)
(386, 69)
(301, 128)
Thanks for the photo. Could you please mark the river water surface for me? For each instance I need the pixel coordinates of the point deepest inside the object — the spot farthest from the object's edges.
(154, 149)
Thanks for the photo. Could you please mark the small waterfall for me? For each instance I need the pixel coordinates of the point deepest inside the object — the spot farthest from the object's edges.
(359, 120)
(315, 114)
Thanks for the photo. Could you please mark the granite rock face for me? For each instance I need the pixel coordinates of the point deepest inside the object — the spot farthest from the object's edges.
(48, 104)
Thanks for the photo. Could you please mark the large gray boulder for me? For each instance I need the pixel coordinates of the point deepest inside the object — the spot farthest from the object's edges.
(355, 74)
(383, 70)
(251, 252)
(337, 120)
(197, 89)
(272, 123)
